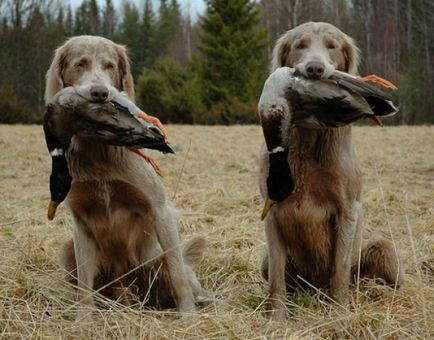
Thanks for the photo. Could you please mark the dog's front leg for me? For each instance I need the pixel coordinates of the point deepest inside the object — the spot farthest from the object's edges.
(168, 236)
(86, 258)
(346, 225)
(277, 257)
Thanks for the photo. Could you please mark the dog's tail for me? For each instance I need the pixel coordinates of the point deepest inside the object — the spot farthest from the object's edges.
(193, 250)
(380, 260)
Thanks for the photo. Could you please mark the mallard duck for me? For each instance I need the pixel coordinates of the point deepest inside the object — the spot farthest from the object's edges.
(111, 123)
(288, 99)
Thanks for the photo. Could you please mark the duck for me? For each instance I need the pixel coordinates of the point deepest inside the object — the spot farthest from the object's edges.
(288, 98)
(116, 122)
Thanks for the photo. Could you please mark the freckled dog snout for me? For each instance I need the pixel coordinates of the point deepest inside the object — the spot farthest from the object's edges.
(315, 70)
(99, 94)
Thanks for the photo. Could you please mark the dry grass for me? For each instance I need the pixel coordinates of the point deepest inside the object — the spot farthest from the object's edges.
(213, 179)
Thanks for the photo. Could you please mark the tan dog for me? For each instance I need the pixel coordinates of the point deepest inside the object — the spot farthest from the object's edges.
(122, 218)
(314, 236)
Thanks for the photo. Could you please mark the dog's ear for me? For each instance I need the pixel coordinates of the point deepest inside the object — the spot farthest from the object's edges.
(54, 77)
(126, 79)
(281, 51)
(351, 55)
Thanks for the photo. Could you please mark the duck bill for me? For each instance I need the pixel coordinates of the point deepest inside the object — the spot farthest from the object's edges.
(52, 207)
(267, 206)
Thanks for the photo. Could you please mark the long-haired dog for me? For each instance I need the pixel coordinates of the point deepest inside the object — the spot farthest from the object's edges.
(314, 236)
(125, 230)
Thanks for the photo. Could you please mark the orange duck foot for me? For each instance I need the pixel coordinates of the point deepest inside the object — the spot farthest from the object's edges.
(378, 80)
(377, 120)
(149, 160)
(155, 121)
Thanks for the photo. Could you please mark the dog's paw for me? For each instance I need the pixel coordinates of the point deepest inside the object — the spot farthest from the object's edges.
(340, 297)
(204, 301)
(276, 310)
(279, 315)
(187, 306)
(83, 317)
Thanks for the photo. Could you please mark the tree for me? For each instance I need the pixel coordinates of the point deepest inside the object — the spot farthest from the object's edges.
(94, 19)
(129, 34)
(169, 16)
(233, 51)
(60, 20)
(109, 20)
(394, 37)
(147, 36)
(170, 91)
(87, 19)
(69, 23)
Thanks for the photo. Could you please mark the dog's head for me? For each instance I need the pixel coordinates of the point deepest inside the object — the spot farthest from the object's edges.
(92, 65)
(316, 49)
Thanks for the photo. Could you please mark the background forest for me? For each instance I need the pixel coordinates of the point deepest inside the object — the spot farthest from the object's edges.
(210, 69)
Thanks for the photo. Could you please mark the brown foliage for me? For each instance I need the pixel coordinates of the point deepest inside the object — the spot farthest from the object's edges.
(13, 110)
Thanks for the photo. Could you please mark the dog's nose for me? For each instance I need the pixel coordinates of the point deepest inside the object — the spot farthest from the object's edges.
(99, 93)
(314, 69)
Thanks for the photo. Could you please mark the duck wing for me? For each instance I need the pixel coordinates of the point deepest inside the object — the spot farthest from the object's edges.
(337, 101)
(107, 123)
(378, 98)
(324, 103)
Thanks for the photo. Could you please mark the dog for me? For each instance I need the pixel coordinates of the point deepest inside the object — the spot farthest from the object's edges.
(314, 237)
(125, 230)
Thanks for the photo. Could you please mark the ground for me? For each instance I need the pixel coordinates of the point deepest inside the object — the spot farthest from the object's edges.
(213, 181)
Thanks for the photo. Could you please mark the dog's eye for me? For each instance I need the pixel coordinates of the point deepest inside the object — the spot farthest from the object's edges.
(300, 46)
(108, 66)
(80, 64)
(331, 45)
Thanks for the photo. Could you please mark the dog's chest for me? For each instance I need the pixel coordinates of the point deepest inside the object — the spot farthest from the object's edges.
(307, 223)
(306, 219)
(116, 216)
(107, 202)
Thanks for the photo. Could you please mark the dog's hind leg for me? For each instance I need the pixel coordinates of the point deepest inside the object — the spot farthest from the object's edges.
(168, 236)
(346, 228)
(86, 256)
(275, 260)
(156, 288)
(380, 260)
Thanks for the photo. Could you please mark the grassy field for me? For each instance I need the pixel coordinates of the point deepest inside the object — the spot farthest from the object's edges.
(213, 180)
